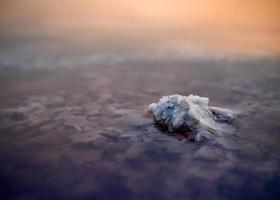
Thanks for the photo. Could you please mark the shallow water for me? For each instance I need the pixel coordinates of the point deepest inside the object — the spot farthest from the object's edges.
(74, 99)
(85, 133)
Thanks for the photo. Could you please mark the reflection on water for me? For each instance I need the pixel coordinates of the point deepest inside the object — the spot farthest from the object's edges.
(88, 130)
(74, 95)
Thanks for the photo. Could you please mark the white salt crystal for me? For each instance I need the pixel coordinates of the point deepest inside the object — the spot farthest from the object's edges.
(191, 114)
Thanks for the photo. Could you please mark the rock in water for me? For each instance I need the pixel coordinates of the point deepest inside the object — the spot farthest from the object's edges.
(191, 114)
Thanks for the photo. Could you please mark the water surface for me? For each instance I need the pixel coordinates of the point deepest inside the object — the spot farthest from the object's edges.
(74, 96)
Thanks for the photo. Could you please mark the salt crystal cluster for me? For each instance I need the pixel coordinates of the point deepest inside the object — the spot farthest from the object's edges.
(191, 114)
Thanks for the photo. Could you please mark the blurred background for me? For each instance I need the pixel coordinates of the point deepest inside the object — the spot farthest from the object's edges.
(95, 31)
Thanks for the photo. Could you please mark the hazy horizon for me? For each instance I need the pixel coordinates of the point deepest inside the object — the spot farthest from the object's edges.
(178, 26)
